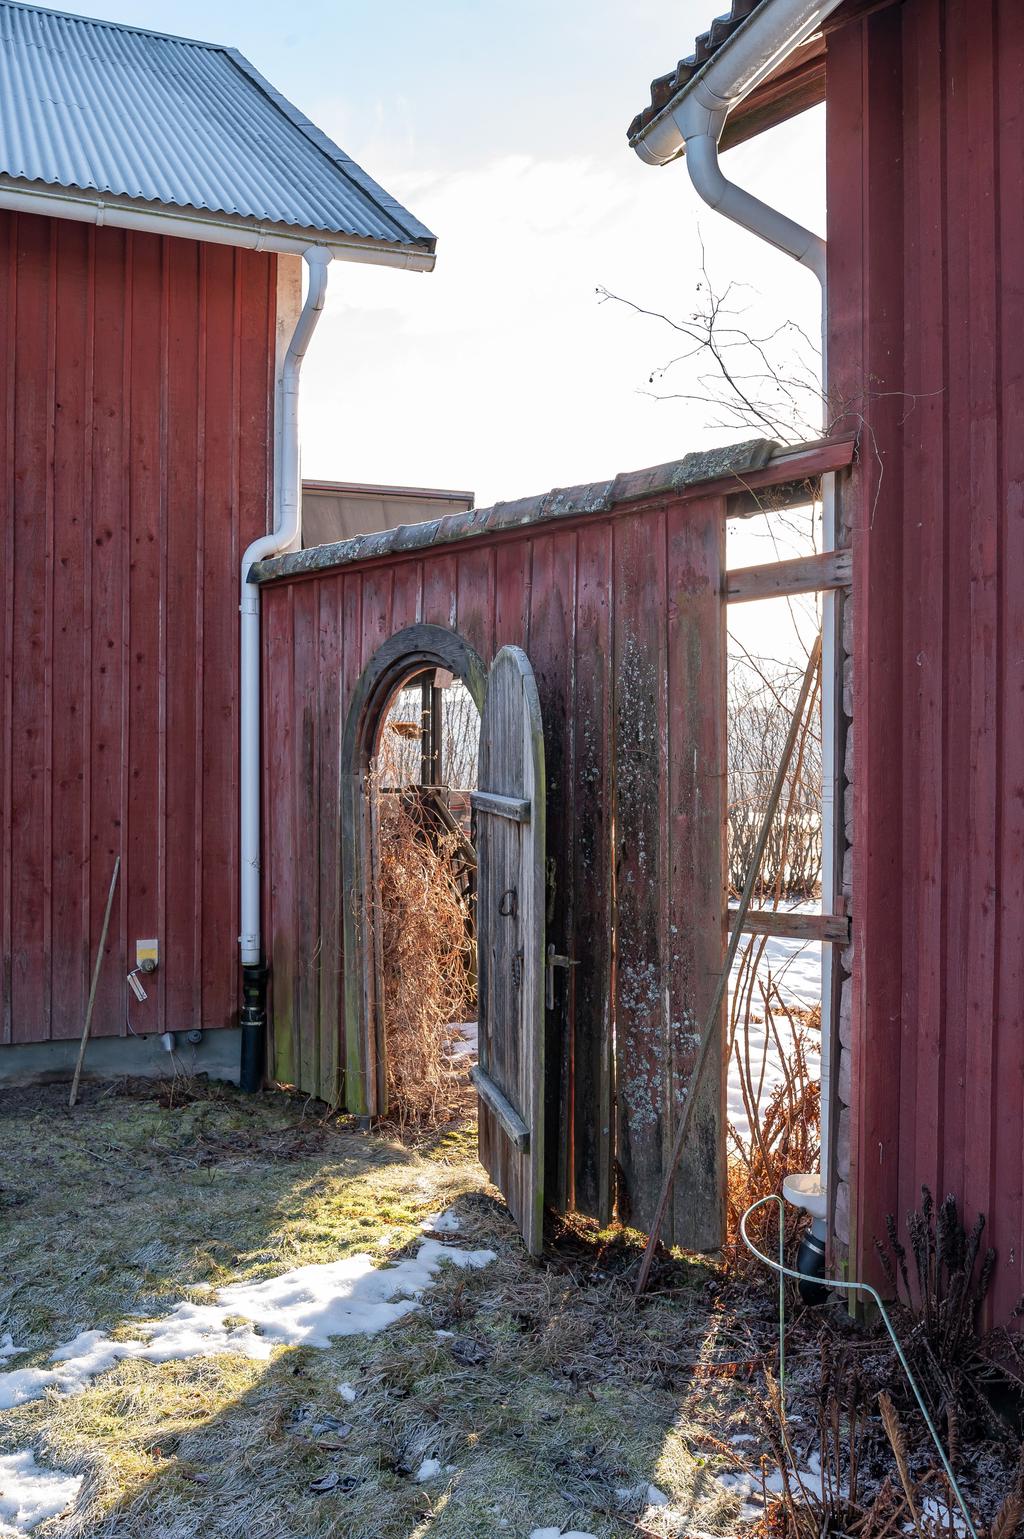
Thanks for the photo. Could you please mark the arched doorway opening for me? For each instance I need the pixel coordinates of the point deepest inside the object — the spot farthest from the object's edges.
(408, 766)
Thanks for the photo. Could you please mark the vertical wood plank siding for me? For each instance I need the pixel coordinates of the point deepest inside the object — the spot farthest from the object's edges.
(135, 404)
(623, 621)
(926, 242)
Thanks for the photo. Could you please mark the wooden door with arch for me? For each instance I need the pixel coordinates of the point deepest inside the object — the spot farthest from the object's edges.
(510, 825)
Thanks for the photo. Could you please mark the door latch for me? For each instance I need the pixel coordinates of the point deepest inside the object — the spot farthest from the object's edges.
(554, 960)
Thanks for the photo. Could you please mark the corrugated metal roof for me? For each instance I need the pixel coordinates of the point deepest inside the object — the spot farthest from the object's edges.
(104, 108)
(705, 47)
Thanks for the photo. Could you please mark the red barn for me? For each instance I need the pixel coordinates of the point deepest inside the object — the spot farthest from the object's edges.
(924, 272)
(157, 198)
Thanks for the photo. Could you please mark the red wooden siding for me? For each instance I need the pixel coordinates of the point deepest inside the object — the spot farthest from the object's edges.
(135, 407)
(622, 619)
(926, 289)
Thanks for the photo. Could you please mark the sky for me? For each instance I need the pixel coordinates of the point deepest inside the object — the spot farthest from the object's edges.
(502, 128)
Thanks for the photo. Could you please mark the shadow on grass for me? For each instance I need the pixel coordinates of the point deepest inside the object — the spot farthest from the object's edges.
(547, 1399)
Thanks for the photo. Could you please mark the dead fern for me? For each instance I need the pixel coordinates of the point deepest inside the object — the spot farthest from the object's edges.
(939, 1290)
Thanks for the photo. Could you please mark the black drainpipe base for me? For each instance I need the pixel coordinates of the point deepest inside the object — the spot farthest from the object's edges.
(253, 1022)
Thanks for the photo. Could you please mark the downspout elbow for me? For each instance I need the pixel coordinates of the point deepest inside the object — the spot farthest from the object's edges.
(744, 209)
(288, 509)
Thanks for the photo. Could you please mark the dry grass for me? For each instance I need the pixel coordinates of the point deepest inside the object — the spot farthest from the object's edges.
(426, 955)
(553, 1396)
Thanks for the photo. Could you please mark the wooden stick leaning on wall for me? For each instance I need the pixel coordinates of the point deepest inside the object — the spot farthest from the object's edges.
(710, 1025)
(95, 982)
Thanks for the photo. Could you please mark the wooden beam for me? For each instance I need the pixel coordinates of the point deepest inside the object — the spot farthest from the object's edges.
(790, 478)
(789, 926)
(803, 574)
(501, 806)
(510, 1120)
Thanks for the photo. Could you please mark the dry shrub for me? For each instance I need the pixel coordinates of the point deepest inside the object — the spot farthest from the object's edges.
(784, 1130)
(426, 958)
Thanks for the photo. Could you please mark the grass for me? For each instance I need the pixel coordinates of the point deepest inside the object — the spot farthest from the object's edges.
(552, 1395)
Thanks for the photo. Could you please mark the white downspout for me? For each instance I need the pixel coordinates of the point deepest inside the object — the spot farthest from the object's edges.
(287, 527)
(693, 124)
(743, 208)
(811, 251)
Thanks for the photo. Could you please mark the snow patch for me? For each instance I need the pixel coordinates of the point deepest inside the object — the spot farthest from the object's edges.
(748, 1487)
(464, 1043)
(29, 1495)
(935, 1511)
(427, 1470)
(642, 1495)
(347, 1393)
(442, 1223)
(7, 1347)
(556, 1533)
(303, 1307)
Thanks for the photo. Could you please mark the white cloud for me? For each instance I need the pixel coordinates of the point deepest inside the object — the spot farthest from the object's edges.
(500, 371)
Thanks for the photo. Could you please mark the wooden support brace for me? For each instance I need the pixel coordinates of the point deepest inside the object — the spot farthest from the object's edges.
(811, 927)
(502, 1108)
(804, 574)
(501, 806)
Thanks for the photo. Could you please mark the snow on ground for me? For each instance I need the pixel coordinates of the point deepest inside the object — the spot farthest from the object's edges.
(556, 1533)
(748, 1486)
(442, 1223)
(796, 968)
(7, 1347)
(306, 1306)
(29, 1495)
(464, 1042)
(642, 1495)
(949, 1518)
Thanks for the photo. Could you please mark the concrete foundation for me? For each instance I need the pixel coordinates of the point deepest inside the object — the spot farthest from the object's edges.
(216, 1056)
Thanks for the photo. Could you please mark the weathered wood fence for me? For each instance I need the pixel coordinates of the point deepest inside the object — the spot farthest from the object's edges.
(616, 593)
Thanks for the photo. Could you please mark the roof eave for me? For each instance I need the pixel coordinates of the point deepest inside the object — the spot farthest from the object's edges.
(353, 172)
(749, 55)
(201, 224)
(659, 142)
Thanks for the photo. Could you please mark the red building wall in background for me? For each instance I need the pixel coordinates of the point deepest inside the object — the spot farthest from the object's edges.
(136, 378)
(926, 291)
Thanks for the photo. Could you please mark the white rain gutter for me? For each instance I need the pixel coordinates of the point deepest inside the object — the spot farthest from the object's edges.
(287, 528)
(87, 208)
(691, 124)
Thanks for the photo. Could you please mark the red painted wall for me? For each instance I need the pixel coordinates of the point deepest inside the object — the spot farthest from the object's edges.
(135, 408)
(926, 243)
